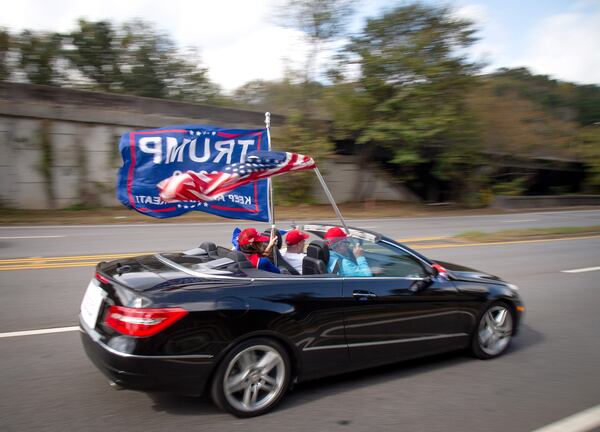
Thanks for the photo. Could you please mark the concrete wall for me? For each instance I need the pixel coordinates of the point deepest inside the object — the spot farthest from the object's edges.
(349, 181)
(60, 146)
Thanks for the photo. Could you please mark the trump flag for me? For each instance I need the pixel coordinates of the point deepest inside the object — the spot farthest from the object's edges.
(151, 156)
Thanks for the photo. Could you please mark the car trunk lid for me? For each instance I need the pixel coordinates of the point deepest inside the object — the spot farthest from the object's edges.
(167, 272)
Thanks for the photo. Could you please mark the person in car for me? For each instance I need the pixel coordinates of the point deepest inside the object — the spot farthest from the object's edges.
(344, 260)
(295, 240)
(257, 247)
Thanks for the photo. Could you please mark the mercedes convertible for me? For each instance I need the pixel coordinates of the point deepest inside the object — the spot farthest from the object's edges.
(205, 321)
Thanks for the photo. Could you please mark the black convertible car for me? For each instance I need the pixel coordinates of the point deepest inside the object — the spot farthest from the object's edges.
(207, 321)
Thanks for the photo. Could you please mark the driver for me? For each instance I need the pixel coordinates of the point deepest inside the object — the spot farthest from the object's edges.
(351, 261)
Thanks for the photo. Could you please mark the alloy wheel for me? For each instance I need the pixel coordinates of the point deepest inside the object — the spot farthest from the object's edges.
(254, 378)
(495, 330)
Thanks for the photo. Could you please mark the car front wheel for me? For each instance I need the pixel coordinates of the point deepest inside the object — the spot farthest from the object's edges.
(252, 378)
(494, 331)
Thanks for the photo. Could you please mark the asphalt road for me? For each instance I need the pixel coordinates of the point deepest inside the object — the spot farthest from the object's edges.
(16, 242)
(550, 372)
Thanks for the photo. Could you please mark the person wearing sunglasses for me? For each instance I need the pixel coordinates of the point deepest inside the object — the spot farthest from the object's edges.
(343, 259)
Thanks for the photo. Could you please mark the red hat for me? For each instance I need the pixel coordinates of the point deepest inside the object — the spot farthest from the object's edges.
(295, 236)
(335, 234)
(250, 235)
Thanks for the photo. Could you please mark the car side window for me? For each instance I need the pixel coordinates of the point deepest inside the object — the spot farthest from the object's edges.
(389, 261)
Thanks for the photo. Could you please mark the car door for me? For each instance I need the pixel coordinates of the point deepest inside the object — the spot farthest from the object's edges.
(397, 313)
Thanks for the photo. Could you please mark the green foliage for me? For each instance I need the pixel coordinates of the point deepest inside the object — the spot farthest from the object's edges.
(587, 104)
(95, 53)
(4, 50)
(410, 98)
(588, 147)
(81, 206)
(46, 160)
(305, 136)
(39, 57)
(135, 58)
(569, 100)
(154, 67)
(320, 22)
(514, 187)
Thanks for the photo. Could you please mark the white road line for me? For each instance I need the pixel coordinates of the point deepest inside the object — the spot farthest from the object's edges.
(30, 237)
(582, 421)
(581, 270)
(520, 220)
(39, 332)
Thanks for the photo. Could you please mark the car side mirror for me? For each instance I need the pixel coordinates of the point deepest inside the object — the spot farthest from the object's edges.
(421, 284)
(438, 271)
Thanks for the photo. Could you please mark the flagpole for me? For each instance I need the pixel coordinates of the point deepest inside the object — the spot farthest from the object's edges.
(331, 200)
(270, 185)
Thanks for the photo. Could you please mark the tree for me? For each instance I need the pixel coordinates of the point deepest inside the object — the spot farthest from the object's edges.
(39, 57)
(410, 99)
(588, 147)
(514, 124)
(566, 100)
(135, 58)
(95, 53)
(320, 21)
(4, 50)
(151, 65)
(305, 136)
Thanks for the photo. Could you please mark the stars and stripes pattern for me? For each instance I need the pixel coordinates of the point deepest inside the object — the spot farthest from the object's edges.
(193, 186)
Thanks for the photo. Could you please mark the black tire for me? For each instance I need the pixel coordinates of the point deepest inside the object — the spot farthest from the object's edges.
(485, 333)
(238, 363)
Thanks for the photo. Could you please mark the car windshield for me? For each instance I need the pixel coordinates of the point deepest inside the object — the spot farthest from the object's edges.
(387, 260)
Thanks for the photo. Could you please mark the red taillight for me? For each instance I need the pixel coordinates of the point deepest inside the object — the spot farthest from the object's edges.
(142, 322)
(101, 278)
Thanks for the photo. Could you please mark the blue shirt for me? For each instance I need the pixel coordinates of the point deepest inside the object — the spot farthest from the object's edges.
(263, 263)
(267, 265)
(347, 266)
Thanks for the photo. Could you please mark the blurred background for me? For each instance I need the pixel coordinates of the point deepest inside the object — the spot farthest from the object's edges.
(468, 103)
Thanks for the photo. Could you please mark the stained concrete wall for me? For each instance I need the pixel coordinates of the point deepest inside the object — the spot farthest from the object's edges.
(350, 181)
(59, 147)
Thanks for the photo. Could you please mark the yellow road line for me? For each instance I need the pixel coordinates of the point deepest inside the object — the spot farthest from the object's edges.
(83, 260)
(47, 266)
(418, 239)
(69, 258)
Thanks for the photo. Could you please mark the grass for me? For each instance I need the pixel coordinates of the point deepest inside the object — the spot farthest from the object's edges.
(78, 214)
(527, 234)
(113, 215)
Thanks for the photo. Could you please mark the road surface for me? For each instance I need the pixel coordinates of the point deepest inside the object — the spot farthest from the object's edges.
(550, 372)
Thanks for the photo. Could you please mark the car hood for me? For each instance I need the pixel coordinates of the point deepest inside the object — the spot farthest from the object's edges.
(466, 273)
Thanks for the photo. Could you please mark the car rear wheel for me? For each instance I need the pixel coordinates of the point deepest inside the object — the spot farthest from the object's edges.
(252, 378)
(494, 331)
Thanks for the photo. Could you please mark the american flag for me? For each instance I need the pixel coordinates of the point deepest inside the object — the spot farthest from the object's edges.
(193, 186)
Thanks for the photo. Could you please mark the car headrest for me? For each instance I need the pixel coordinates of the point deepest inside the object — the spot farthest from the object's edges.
(318, 249)
(240, 258)
(210, 248)
(279, 237)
